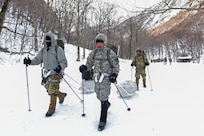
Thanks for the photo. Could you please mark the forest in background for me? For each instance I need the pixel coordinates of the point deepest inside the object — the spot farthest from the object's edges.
(23, 24)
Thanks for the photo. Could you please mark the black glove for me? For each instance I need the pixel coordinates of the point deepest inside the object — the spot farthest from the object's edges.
(26, 61)
(146, 63)
(82, 68)
(113, 77)
(132, 64)
(57, 69)
(87, 75)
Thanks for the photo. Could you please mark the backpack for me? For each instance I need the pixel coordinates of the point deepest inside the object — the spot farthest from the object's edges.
(113, 48)
(60, 43)
(144, 56)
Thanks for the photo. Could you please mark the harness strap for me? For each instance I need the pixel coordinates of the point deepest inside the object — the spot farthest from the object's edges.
(98, 77)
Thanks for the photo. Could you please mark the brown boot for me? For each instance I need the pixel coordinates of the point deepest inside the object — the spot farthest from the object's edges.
(61, 96)
(144, 83)
(137, 84)
(51, 110)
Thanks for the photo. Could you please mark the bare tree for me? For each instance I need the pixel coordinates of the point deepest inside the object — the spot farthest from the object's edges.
(48, 15)
(167, 5)
(65, 11)
(82, 7)
(3, 13)
(102, 13)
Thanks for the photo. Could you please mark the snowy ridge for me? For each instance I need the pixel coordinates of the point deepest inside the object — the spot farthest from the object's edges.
(163, 22)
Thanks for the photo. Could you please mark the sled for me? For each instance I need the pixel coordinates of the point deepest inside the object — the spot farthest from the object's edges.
(88, 86)
(127, 88)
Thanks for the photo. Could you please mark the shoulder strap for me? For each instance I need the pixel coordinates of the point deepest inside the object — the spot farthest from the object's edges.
(94, 54)
(143, 55)
(56, 49)
(108, 56)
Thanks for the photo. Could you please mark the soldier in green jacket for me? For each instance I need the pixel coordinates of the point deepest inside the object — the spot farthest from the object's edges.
(54, 62)
(140, 61)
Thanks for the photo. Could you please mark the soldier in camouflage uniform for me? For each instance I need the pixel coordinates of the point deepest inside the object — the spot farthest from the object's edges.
(54, 61)
(140, 62)
(106, 69)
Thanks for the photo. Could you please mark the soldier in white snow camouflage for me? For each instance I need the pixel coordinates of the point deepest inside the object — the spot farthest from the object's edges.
(53, 59)
(105, 66)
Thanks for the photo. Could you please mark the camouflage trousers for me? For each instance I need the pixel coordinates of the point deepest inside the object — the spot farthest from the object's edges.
(103, 89)
(52, 85)
(140, 72)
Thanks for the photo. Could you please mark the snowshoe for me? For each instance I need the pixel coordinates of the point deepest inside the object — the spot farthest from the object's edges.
(101, 126)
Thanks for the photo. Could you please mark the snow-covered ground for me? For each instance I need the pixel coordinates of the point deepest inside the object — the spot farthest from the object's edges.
(175, 107)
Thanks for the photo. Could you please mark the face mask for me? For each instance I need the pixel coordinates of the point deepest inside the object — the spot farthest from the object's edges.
(99, 44)
(48, 44)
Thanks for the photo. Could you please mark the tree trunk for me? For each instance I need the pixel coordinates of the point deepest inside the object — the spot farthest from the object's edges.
(3, 13)
(48, 16)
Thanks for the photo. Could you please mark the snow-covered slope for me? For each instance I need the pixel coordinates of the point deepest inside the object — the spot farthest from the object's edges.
(174, 107)
(170, 16)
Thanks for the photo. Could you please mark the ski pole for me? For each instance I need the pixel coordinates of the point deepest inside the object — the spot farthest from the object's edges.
(73, 86)
(83, 114)
(131, 72)
(76, 82)
(72, 79)
(122, 97)
(29, 109)
(72, 89)
(149, 78)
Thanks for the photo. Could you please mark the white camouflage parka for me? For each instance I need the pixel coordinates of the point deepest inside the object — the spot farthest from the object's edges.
(50, 58)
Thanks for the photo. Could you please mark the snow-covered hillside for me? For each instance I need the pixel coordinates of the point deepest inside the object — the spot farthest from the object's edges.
(170, 14)
(175, 107)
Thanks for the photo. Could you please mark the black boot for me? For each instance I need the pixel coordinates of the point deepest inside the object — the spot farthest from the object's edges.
(49, 113)
(104, 109)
